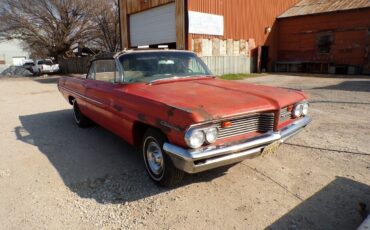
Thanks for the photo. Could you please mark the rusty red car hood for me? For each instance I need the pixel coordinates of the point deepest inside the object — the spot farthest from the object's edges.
(208, 99)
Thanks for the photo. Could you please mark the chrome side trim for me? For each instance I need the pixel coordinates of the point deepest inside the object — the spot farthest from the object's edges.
(80, 95)
(165, 124)
(194, 161)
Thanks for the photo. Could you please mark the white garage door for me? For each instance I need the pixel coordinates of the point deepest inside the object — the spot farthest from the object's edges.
(154, 26)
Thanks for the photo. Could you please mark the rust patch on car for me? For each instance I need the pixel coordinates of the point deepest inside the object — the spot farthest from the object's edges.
(188, 110)
(199, 111)
(203, 113)
(170, 112)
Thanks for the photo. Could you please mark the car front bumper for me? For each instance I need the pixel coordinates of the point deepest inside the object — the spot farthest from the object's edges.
(198, 160)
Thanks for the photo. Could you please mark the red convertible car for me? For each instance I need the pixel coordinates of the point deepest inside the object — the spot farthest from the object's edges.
(183, 118)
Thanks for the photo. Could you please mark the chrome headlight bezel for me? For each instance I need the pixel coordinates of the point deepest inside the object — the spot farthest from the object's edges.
(300, 109)
(203, 134)
(305, 109)
(211, 134)
(190, 136)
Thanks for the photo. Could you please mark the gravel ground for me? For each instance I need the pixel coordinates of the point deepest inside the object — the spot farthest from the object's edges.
(54, 175)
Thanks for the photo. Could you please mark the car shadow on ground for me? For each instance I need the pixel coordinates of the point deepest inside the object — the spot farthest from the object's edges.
(326, 208)
(358, 86)
(93, 162)
(47, 80)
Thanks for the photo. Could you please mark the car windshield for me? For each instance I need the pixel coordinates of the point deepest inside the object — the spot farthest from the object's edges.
(153, 66)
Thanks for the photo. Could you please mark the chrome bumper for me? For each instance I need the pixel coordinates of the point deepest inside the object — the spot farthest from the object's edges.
(198, 160)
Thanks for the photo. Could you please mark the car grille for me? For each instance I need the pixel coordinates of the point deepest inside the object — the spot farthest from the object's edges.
(285, 114)
(263, 122)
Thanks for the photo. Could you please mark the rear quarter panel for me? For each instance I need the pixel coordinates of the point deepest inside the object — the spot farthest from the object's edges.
(73, 87)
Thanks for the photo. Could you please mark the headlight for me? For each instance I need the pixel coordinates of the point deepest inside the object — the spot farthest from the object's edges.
(194, 138)
(297, 112)
(211, 135)
(300, 109)
(305, 109)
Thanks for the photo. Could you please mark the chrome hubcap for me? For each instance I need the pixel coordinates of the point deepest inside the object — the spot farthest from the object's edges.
(155, 158)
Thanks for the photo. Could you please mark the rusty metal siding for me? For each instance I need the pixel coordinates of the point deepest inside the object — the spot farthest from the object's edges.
(307, 7)
(134, 6)
(297, 37)
(243, 19)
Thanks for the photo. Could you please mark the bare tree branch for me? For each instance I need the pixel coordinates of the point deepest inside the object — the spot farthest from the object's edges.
(53, 27)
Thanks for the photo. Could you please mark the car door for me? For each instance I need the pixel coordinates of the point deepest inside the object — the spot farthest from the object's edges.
(87, 103)
(102, 86)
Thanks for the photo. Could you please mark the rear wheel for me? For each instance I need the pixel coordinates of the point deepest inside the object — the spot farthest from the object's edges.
(36, 72)
(80, 119)
(158, 164)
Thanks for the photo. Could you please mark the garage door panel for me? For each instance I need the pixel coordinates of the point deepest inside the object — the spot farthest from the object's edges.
(154, 26)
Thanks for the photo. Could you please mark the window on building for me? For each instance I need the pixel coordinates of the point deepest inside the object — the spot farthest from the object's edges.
(324, 42)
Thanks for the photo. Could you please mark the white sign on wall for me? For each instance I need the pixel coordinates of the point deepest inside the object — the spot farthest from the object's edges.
(201, 23)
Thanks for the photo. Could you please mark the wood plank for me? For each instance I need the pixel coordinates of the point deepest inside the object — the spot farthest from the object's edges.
(229, 47)
(180, 25)
(124, 24)
(206, 47)
(236, 48)
(242, 47)
(216, 47)
(223, 49)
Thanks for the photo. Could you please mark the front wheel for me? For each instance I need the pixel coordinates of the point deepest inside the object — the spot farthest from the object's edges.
(36, 72)
(80, 119)
(157, 163)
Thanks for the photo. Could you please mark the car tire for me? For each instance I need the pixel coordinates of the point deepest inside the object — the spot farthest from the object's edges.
(35, 73)
(81, 120)
(158, 164)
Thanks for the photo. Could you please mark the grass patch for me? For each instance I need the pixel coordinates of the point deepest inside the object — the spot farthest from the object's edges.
(241, 76)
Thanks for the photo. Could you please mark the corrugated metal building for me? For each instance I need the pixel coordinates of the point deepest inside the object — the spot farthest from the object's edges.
(230, 35)
(325, 36)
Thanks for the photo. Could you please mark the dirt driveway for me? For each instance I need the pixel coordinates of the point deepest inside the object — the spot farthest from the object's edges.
(54, 175)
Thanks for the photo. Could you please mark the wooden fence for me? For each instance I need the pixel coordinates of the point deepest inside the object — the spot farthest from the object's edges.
(78, 65)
